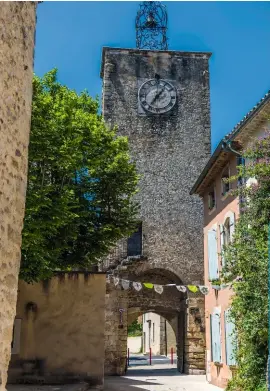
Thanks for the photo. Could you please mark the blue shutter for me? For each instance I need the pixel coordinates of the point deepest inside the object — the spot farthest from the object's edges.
(215, 338)
(230, 339)
(221, 233)
(212, 255)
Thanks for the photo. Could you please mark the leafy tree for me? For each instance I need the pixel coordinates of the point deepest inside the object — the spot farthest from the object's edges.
(135, 329)
(246, 268)
(80, 183)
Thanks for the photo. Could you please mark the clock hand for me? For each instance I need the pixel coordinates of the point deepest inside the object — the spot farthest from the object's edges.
(157, 95)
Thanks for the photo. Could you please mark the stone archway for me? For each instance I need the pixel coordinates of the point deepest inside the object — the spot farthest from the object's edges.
(176, 319)
(186, 314)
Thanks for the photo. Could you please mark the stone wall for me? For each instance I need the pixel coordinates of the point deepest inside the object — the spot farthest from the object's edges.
(170, 151)
(62, 330)
(17, 32)
(170, 339)
(195, 337)
(116, 332)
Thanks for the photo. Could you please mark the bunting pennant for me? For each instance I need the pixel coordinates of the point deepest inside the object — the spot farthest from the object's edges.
(192, 288)
(204, 289)
(148, 285)
(137, 285)
(158, 288)
(125, 284)
(181, 288)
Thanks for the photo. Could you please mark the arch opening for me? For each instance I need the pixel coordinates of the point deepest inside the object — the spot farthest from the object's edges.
(152, 330)
(162, 331)
(175, 308)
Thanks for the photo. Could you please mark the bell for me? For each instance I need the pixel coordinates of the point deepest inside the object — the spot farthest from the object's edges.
(150, 23)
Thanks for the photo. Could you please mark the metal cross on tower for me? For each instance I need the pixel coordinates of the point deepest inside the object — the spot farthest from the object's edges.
(151, 26)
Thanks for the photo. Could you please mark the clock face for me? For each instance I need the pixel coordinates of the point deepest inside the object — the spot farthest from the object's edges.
(157, 96)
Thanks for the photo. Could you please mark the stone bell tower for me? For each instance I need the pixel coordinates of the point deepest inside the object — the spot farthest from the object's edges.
(159, 99)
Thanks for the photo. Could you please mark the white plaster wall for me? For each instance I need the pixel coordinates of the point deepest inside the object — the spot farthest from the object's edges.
(135, 344)
(151, 334)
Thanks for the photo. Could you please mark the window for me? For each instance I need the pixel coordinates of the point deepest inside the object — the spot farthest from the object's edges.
(229, 339)
(212, 254)
(134, 243)
(211, 199)
(215, 337)
(226, 232)
(153, 332)
(225, 186)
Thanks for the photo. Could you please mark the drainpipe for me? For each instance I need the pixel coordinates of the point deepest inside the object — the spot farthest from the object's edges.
(165, 330)
(227, 144)
(149, 331)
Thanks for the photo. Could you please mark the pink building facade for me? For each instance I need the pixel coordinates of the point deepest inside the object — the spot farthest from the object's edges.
(221, 211)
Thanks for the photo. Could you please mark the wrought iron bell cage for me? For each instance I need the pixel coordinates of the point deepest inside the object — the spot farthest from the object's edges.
(151, 26)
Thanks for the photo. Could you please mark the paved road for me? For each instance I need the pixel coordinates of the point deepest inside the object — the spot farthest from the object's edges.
(143, 359)
(159, 377)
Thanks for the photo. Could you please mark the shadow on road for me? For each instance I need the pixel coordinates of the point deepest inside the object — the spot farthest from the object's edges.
(152, 371)
(124, 384)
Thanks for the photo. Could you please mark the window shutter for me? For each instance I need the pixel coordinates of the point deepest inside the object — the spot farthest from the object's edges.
(212, 255)
(229, 337)
(232, 225)
(221, 231)
(215, 334)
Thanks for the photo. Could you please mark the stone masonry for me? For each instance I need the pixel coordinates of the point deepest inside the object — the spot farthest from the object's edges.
(170, 151)
(17, 32)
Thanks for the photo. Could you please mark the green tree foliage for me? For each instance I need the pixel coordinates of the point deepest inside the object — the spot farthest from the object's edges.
(246, 267)
(135, 329)
(80, 183)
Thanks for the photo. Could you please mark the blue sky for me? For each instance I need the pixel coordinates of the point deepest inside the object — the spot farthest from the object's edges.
(70, 36)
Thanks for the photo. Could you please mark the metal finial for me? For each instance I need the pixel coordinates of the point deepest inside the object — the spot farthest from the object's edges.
(151, 26)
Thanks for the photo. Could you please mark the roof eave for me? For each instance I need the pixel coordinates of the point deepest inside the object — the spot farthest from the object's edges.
(210, 162)
(229, 138)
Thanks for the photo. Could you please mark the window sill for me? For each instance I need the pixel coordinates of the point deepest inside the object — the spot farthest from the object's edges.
(210, 211)
(216, 287)
(218, 364)
(224, 196)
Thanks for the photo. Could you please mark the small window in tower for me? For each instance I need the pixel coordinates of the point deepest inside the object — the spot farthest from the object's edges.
(225, 185)
(134, 243)
(211, 199)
